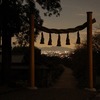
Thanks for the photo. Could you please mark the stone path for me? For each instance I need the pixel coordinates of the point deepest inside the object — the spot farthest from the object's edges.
(66, 80)
(64, 89)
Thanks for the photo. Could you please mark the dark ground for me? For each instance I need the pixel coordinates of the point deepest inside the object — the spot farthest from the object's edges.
(71, 92)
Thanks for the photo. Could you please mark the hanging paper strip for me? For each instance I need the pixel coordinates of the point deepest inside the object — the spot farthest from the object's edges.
(42, 38)
(59, 41)
(50, 40)
(67, 39)
(78, 38)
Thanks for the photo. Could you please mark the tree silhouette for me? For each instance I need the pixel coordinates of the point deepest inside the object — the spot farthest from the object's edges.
(15, 18)
(79, 62)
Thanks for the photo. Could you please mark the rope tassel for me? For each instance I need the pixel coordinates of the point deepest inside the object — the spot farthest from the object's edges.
(42, 38)
(78, 38)
(59, 41)
(67, 39)
(50, 40)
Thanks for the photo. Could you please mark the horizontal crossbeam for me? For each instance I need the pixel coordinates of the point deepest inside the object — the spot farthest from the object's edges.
(69, 30)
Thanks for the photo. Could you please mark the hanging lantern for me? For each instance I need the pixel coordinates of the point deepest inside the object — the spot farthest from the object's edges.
(50, 40)
(78, 38)
(59, 41)
(42, 38)
(67, 39)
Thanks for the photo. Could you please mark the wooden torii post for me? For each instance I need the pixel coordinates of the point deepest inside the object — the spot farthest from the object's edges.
(89, 48)
(90, 91)
(87, 24)
(32, 58)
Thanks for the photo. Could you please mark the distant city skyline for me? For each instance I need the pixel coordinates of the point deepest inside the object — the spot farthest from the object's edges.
(73, 14)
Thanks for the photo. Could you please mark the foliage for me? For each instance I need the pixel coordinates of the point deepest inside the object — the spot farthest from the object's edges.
(22, 40)
(16, 13)
(52, 6)
(96, 42)
(79, 65)
(47, 69)
(15, 16)
(15, 19)
(79, 61)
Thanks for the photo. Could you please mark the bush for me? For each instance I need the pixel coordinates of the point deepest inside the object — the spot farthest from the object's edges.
(79, 62)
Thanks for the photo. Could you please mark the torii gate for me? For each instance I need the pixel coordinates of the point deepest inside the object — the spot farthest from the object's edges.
(87, 24)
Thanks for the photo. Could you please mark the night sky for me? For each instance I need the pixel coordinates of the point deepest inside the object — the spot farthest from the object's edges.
(73, 14)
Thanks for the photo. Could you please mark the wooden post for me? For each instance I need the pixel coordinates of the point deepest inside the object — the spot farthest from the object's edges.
(32, 60)
(90, 92)
(89, 48)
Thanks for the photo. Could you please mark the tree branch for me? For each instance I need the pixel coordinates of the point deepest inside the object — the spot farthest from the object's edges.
(69, 30)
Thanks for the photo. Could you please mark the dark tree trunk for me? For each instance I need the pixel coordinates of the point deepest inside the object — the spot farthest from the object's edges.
(6, 57)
